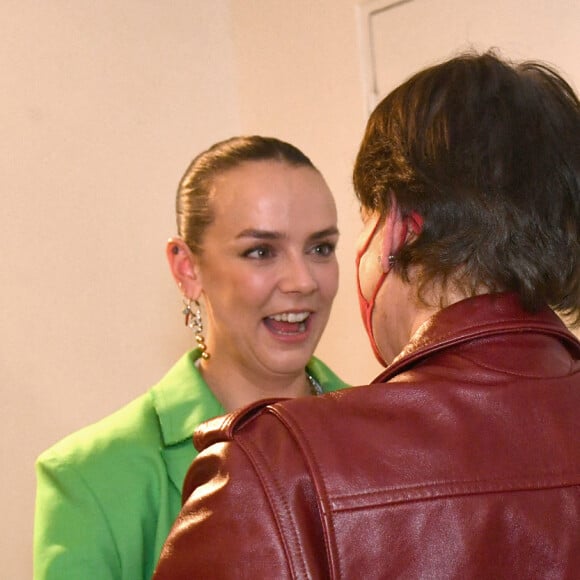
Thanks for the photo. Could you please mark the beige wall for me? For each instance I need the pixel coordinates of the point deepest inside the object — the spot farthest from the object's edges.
(102, 105)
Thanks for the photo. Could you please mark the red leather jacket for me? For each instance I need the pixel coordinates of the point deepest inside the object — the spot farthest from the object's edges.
(461, 461)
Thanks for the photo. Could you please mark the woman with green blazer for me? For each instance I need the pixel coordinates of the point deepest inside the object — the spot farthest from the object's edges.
(256, 243)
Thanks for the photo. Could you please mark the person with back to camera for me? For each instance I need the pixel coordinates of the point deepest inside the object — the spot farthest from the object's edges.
(461, 460)
(257, 235)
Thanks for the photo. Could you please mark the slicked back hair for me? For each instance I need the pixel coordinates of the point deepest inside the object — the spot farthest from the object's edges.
(193, 201)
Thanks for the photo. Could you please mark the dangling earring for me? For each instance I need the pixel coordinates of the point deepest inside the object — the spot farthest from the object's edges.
(193, 320)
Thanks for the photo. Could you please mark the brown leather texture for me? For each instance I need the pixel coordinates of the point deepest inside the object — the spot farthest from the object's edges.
(462, 461)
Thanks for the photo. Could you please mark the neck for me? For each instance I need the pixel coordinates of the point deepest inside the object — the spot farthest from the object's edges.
(236, 388)
(406, 313)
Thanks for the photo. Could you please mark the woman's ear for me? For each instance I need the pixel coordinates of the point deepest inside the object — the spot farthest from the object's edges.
(184, 266)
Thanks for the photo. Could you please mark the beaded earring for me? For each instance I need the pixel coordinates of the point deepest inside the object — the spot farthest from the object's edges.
(194, 321)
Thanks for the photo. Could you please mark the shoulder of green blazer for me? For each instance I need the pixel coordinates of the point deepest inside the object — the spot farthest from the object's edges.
(108, 494)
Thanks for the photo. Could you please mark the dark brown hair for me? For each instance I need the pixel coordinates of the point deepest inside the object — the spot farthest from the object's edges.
(488, 153)
(193, 206)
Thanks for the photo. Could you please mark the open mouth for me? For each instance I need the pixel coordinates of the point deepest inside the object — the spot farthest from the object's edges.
(288, 322)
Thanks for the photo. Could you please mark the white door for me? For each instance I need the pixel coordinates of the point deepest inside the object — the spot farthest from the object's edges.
(401, 37)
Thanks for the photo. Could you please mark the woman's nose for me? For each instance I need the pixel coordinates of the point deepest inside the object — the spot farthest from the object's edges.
(297, 276)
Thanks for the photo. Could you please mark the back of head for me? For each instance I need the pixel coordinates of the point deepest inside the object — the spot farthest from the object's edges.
(488, 153)
(193, 204)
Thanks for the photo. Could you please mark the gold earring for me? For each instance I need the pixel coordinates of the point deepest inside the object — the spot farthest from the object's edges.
(194, 321)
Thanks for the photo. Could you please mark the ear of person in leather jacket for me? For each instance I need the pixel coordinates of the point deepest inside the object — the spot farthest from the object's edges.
(461, 460)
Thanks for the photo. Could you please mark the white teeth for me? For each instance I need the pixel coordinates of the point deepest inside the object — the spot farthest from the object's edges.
(291, 316)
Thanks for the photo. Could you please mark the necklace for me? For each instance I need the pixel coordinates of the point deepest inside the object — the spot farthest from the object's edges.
(315, 387)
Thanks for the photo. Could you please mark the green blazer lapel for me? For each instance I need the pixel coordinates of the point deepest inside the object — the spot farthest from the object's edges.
(182, 401)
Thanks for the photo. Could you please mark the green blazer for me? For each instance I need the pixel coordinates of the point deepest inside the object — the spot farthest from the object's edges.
(108, 494)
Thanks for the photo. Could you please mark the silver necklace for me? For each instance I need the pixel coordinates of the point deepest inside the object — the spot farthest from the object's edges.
(315, 386)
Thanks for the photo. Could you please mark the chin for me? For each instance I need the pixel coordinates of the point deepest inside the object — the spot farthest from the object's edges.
(290, 362)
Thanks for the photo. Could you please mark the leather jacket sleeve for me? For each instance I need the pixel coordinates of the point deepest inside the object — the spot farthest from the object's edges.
(242, 515)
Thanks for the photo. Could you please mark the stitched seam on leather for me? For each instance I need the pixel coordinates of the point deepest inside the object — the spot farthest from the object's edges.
(274, 490)
(326, 507)
(442, 496)
(452, 488)
(504, 371)
(484, 330)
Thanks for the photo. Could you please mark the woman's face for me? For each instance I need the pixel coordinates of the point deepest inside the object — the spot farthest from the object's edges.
(268, 269)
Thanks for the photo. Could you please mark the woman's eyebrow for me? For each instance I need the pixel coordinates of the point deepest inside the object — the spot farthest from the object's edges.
(333, 231)
(273, 235)
(260, 234)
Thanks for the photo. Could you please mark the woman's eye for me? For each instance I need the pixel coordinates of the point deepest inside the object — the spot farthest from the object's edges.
(324, 250)
(258, 253)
